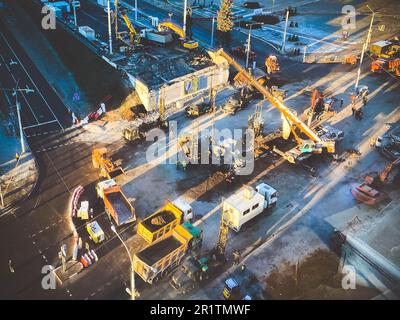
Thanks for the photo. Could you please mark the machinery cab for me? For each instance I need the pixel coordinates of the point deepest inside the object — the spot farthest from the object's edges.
(231, 289)
(186, 209)
(269, 193)
(195, 110)
(132, 133)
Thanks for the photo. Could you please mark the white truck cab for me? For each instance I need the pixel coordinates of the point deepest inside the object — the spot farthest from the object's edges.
(248, 203)
(269, 193)
(185, 208)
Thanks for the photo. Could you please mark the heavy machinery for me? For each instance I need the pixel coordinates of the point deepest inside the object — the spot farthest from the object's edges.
(101, 161)
(314, 144)
(133, 35)
(242, 284)
(137, 129)
(386, 49)
(239, 100)
(320, 108)
(272, 64)
(116, 204)
(186, 43)
(163, 256)
(388, 65)
(196, 110)
(193, 271)
(368, 192)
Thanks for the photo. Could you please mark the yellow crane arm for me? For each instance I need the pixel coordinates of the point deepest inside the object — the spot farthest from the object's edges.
(172, 26)
(290, 116)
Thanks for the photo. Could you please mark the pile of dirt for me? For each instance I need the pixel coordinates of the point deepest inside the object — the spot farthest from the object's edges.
(126, 110)
(316, 277)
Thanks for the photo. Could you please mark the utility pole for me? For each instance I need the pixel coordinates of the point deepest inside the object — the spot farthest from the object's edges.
(365, 46)
(109, 27)
(132, 290)
(136, 15)
(21, 134)
(74, 8)
(184, 17)
(248, 43)
(212, 32)
(1, 197)
(284, 32)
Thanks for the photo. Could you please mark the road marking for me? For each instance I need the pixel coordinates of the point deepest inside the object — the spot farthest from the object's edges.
(40, 93)
(39, 124)
(15, 81)
(42, 133)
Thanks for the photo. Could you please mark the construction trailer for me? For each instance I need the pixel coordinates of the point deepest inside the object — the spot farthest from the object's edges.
(163, 256)
(116, 204)
(164, 221)
(248, 203)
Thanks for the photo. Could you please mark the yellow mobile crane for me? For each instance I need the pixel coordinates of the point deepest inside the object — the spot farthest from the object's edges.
(134, 36)
(186, 43)
(314, 145)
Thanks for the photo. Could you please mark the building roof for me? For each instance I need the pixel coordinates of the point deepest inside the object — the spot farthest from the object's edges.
(158, 66)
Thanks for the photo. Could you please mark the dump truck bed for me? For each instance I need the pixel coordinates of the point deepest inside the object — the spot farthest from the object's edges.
(160, 223)
(159, 250)
(118, 206)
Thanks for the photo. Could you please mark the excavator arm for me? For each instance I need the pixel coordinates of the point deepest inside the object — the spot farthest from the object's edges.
(385, 173)
(170, 25)
(290, 116)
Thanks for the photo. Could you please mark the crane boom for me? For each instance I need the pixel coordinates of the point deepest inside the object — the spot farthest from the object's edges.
(290, 116)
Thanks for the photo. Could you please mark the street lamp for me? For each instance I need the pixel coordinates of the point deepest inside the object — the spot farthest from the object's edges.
(248, 42)
(364, 48)
(132, 290)
(15, 94)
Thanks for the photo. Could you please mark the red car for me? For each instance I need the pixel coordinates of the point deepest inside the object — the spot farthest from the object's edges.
(240, 52)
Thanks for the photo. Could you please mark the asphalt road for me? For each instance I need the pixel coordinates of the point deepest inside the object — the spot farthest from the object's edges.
(30, 234)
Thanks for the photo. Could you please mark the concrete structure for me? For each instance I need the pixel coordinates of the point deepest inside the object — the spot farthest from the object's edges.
(172, 75)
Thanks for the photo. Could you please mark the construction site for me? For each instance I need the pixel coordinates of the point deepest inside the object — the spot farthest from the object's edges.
(152, 154)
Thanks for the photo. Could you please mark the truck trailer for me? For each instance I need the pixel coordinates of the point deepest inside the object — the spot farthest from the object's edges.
(163, 256)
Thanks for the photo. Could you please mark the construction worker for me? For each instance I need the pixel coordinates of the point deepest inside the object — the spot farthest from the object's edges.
(10, 266)
(341, 103)
(364, 100)
(353, 110)
(236, 257)
(17, 156)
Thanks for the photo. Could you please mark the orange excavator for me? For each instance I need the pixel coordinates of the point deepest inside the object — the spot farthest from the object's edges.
(368, 192)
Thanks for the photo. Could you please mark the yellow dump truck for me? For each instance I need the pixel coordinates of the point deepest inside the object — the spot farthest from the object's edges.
(165, 220)
(161, 257)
